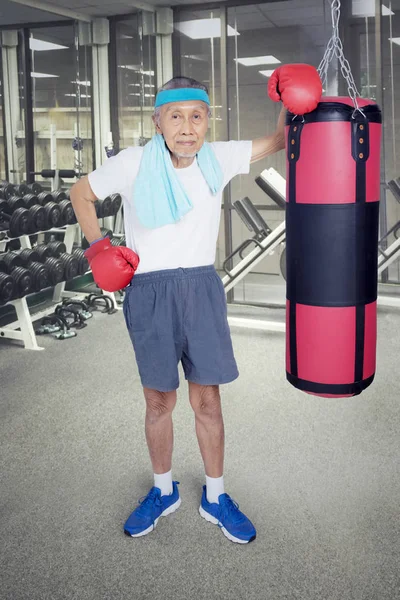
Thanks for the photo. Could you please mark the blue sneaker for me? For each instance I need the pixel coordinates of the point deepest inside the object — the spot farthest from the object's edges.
(153, 506)
(233, 523)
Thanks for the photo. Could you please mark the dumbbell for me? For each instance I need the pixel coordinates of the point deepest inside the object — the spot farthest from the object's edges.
(54, 265)
(7, 288)
(44, 198)
(30, 200)
(35, 188)
(104, 207)
(59, 195)
(118, 241)
(29, 259)
(38, 218)
(18, 223)
(23, 280)
(116, 203)
(82, 261)
(53, 215)
(29, 255)
(22, 189)
(39, 271)
(70, 264)
(67, 213)
(56, 249)
(7, 190)
(104, 232)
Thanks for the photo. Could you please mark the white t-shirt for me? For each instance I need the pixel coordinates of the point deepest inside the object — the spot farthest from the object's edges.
(192, 241)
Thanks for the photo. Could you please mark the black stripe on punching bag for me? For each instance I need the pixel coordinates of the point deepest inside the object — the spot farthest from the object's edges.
(293, 150)
(360, 151)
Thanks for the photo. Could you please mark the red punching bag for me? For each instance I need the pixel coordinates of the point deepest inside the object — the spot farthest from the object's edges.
(332, 214)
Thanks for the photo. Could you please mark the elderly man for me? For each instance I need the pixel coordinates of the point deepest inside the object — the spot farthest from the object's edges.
(175, 307)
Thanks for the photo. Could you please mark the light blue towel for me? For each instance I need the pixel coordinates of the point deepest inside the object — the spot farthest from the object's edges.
(159, 197)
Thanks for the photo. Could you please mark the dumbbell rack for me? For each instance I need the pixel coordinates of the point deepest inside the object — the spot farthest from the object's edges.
(22, 329)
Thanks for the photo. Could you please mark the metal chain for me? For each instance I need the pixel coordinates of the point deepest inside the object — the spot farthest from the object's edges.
(335, 48)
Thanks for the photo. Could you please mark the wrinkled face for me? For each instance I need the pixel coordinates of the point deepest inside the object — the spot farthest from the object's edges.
(184, 126)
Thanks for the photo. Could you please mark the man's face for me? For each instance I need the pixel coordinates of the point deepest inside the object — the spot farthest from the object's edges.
(184, 126)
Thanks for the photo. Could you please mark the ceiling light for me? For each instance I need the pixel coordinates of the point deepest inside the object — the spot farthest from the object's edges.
(43, 75)
(148, 85)
(200, 29)
(366, 8)
(41, 45)
(267, 73)
(251, 61)
(87, 83)
(395, 40)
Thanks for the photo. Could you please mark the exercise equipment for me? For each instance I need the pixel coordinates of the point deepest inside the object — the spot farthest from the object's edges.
(95, 301)
(30, 200)
(104, 233)
(56, 248)
(116, 200)
(38, 218)
(7, 287)
(18, 223)
(56, 324)
(70, 265)
(83, 263)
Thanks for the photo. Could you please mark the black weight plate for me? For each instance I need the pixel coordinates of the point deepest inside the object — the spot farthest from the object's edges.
(106, 232)
(8, 190)
(44, 252)
(22, 189)
(53, 215)
(27, 256)
(71, 266)
(59, 195)
(44, 198)
(107, 207)
(116, 203)
(99, 208)
(30, 200)
(55, 269)
(57, 248)
(20, 222)
(15, 202)
(40, 275)
(23, 281)
(35, 187)
(67, 212)
(3, 265)
(38, 218)
(83, 261)
(6, 288)
(3, 205)
(12, 260)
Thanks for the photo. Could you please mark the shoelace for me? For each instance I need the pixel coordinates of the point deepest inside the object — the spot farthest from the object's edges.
(230, 509)
(152, 498)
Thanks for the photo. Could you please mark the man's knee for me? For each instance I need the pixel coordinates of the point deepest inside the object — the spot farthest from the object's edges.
(159, 404)
(205, 400)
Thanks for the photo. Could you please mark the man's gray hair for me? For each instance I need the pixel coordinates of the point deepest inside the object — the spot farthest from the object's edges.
(179, 82)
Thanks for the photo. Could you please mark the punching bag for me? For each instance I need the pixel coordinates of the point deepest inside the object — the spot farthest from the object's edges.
(332, 215)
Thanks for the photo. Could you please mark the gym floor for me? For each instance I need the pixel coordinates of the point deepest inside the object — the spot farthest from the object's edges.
(319, 478)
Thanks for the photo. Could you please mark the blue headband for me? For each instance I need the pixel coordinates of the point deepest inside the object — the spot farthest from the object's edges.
(180, 95)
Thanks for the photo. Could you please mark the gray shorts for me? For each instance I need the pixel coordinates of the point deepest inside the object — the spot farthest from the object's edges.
(180, 315)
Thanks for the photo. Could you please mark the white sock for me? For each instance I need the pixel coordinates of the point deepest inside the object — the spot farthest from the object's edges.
(215, 487)
(164, 482)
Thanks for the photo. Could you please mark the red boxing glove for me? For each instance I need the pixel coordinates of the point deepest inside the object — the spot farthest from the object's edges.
(112, 266)
(298, 86)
